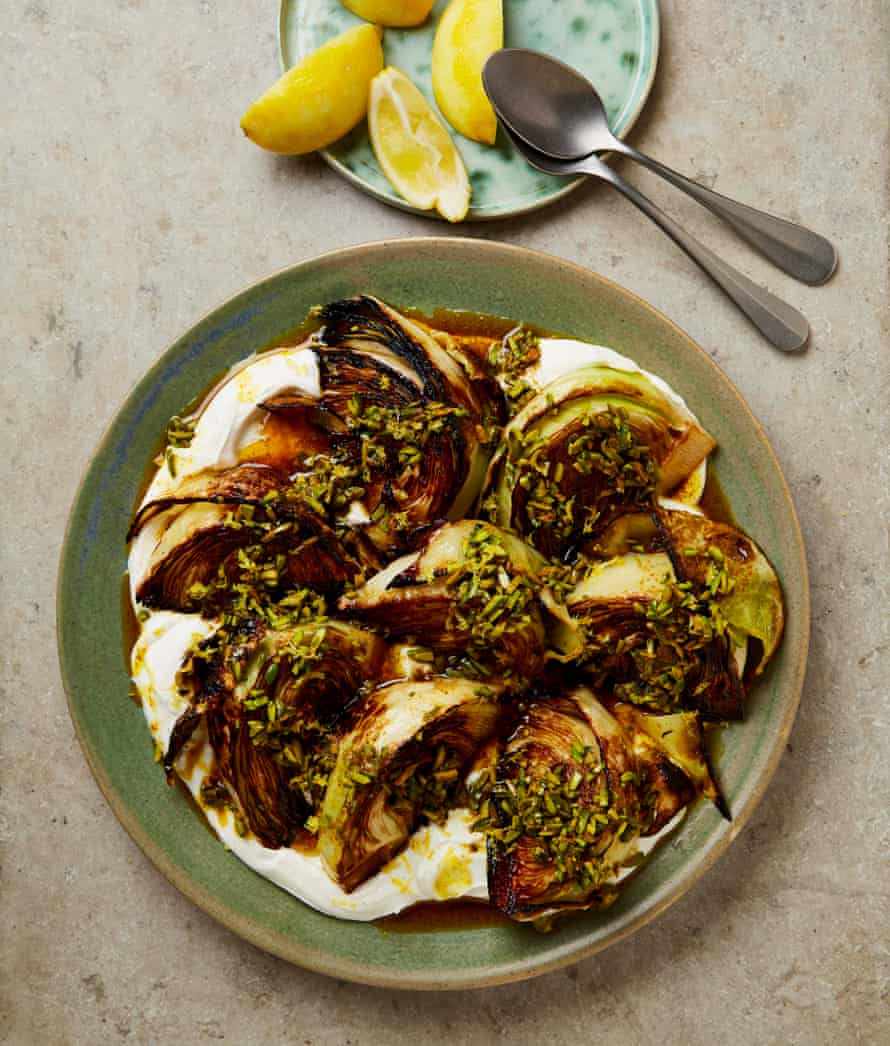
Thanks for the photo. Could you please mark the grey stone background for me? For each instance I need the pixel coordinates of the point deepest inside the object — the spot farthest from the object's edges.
(131, 205)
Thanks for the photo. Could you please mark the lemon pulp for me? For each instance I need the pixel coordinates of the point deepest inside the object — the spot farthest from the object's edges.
(413, 148)
(391, 12)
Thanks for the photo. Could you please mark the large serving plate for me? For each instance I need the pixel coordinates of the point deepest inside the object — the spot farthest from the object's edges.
(614, 43)
(426, 274)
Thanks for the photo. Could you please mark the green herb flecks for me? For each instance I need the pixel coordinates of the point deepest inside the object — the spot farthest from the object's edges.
(569, 484)
(278, 722)
(667, 644)
(491, 600)
(180, 431)
(328, 486)
(565, 812)
(396, 436)
(511, 358)
(215, 795)
(423, 783)
(427, 786)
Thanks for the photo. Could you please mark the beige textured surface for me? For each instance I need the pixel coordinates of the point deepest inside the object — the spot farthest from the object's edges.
(131, 205)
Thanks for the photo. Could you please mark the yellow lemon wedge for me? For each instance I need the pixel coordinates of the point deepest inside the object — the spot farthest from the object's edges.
(319, 100)
(415, 151)
(391, 12)
(469, 31)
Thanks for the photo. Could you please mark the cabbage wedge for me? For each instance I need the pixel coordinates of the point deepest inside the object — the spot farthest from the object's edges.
(417, 412)
(401, 763)
(588, 448)
(673, 755)
(565, 812)
(649, 638)
(272, 702)
(471, 589)
(246, 525)
(751, 597)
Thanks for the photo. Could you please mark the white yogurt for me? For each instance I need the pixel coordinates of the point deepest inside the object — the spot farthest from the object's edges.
(232, 417)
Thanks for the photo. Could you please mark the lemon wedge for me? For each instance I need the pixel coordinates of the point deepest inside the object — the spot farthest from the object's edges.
(391, 12)
(415, 151)
(468, 33)
(319, 100)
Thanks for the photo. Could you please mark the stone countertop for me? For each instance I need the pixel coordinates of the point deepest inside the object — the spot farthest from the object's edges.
(131, 205)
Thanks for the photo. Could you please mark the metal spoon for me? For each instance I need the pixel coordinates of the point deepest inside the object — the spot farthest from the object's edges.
(556, 111)
(783, 326)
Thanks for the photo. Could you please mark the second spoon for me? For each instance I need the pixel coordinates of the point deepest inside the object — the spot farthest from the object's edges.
(781, 324)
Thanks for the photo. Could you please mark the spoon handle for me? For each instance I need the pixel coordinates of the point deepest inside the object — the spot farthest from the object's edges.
(801, 253)
(779, 323)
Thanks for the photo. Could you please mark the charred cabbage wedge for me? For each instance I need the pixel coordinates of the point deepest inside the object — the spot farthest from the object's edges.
(751, 598)
(588, 448)
(247, 526)
(565, 810)
(670, 629)
(403, 762)
(420, 416)
(576, 787)
(672, 753)
(272, 702)
(650, 638)
(473, 593)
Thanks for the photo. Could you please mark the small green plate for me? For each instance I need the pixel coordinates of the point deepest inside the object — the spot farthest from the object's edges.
(613, 42)
(425, 273)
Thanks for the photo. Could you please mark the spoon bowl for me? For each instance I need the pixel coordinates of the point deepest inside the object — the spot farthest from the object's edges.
(559, 113)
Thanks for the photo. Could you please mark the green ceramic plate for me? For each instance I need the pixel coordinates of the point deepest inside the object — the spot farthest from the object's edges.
(425, 273)
(613, 42)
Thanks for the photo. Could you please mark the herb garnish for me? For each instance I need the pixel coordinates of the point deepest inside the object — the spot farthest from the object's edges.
(511, 358)
(491, 601)
(570, 483)
(667, 642)
(427, 786)
(565, 811)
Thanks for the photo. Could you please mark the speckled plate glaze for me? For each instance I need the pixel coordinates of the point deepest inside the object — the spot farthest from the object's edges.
(426, 273)
(613, 42)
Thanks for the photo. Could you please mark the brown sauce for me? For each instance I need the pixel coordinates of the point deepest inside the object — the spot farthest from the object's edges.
(292, 336)
(435, 916)
(305, 843)
(189, 758)
(468, 327)
(287, 437)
